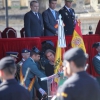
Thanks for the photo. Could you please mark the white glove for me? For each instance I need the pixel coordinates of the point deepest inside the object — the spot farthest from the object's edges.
(42, 91)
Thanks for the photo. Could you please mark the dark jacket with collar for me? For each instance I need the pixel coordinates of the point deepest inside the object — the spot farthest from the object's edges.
(80, 86)
(96, 63)
(68, 19)
(33, 26)
(11, 90)
(49, 22)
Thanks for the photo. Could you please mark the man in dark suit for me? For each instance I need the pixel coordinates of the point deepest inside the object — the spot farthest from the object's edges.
(50, 17)
(68, 17)
(33, 22)
(9, 88)
(96, 61)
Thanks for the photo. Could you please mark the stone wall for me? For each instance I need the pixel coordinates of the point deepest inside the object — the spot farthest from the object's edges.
(83, 8)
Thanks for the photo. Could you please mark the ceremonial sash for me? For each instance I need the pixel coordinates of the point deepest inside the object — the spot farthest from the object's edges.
(22, 78)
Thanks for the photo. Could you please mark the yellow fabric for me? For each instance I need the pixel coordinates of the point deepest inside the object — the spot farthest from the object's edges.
(77, 41)
(58, 61)
(21, 75)
(31, 84)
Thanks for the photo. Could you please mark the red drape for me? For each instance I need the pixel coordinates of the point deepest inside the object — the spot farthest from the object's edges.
(17, 44)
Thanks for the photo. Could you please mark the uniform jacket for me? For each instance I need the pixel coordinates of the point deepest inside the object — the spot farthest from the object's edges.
(11, 90)
(49, 22)
(96, 63)
(68, 19)
(34, 71)
(80, 86)
(33, 26)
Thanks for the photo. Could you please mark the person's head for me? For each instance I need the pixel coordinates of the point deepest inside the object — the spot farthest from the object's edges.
(13, 55)
(48, 45)
(7, 68)
(35, 54)
(34, 5)
(52, 4)
(74, 61)
(97, 46)
(25, 54)
(50, 55)
(68, 3)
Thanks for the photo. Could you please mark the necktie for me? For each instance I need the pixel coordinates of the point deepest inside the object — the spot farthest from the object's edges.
(53, 12)
(71, 13)
(37, 15)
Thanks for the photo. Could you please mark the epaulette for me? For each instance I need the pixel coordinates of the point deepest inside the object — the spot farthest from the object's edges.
(63, 94)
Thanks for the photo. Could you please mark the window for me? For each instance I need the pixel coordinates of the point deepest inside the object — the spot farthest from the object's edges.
(98, 1)
(87, 2)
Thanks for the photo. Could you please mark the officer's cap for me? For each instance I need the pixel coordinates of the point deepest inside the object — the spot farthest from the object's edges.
(6, 62)
(25, 51)
(12, 54)
(69, 0)
(48, 41)
(96, 45)
(75, 54)
(36, 50)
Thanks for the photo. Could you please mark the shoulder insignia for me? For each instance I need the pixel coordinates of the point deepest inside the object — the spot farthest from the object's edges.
(64, 94)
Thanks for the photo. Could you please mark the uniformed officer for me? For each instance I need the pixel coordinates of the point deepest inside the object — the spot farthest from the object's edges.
(34, 71)
(9, 88)
(25, 54)
(79, 85)
(14, 55)
(68, 17)
(96, 60)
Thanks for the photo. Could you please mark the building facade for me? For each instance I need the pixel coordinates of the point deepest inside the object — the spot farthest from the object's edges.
(88, 11)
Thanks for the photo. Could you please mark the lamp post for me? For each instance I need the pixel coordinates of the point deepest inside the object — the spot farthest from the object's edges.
(6, 9)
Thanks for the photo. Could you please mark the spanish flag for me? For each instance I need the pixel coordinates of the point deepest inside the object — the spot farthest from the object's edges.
(58, 60)
(77, 39)
(60, 49)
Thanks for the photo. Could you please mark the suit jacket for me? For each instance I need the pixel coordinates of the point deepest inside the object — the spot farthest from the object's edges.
(68, 19)
(49, 22)
(11, 90)
(96, 63)
(34, 71)
(33, 26)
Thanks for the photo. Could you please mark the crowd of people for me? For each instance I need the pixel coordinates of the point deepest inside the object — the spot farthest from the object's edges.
(22, 80)
(79, 84)
(45, 24)
(41, 64)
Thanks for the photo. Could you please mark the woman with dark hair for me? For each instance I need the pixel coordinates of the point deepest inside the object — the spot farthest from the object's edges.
(49, 67)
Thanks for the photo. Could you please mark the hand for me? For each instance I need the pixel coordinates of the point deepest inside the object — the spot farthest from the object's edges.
(42, 91)
(44, 97)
